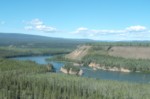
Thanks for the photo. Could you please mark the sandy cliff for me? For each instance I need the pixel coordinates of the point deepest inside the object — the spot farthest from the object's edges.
(98, 66)
(79, 53)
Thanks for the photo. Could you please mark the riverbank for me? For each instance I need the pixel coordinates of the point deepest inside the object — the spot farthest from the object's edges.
(100, 56)
(27, 55)
(9, 52)
(24, 77)
(116, 69)
(90, 73)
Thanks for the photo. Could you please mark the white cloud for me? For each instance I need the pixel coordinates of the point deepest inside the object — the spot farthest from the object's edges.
(136, 28)
(81, 30)
(36, 22)
(131, 29)
(38, 25)
(45, 28)
(129, 32)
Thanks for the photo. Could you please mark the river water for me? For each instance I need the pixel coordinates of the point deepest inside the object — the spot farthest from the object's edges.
(98, 74)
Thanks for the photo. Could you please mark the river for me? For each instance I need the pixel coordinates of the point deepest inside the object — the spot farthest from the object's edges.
(98, 74)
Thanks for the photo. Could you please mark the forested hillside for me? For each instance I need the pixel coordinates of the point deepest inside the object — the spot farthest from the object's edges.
(34, 41)
(24, 45)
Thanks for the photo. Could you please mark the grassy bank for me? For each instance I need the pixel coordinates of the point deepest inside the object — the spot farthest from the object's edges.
(100, 55)
(13, 52)
(62, 58)
(110, 61)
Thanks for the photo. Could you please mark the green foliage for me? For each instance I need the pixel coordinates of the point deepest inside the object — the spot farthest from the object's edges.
(56, 86)
(110, 61)
(21, 67)
(99, 55)
(28, 80)
(50, 67)
(13, 51)
(61, 58)
(69, 66)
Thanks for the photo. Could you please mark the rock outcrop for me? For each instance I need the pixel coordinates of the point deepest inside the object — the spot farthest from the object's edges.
(71, 72)
(98, 66)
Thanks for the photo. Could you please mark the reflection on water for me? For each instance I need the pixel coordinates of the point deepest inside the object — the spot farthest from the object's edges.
(98, 74)
(110, 75)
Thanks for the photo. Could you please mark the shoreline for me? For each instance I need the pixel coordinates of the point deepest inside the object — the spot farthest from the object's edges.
(33, 55)
(115, 69)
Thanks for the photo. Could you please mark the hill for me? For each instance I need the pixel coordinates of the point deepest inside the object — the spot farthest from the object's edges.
(12, 44)
(114, 57)
(34, 41)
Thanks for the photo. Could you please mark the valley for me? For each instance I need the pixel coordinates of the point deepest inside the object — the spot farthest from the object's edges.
(74, 49)
(33, 70)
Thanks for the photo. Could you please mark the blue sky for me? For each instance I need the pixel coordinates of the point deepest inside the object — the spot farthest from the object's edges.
(92, 19)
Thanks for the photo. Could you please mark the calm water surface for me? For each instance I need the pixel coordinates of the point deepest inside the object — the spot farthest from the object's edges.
(98, 74)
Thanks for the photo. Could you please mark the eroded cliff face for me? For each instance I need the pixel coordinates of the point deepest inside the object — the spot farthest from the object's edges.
(64, 70)
(79, 53)
(98, 66)
(71, 72)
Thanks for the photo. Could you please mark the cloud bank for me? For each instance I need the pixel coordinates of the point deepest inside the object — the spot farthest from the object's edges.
(137, 32)
(38, 25)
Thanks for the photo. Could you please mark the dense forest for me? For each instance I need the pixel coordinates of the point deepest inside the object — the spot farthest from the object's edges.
(28, 80)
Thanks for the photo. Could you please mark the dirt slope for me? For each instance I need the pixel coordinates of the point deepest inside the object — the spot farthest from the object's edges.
(79, 53)
(130, 52)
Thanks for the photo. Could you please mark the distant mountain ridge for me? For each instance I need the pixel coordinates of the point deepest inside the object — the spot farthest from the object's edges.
(16, 39)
